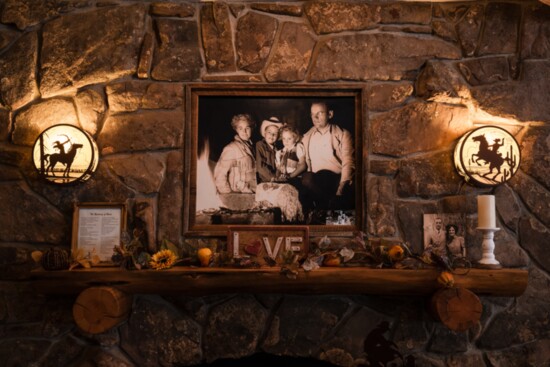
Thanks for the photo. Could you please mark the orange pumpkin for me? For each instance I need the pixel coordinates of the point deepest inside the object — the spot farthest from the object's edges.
(446, 279)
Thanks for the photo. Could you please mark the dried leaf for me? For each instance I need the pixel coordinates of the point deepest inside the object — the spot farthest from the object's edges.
(313, 263)
(85, 263)
(347, 254)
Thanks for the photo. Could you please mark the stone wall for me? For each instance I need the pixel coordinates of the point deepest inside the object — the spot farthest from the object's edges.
(432, 71)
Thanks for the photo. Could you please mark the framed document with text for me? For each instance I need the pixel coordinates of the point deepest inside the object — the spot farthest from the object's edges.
(97, 229)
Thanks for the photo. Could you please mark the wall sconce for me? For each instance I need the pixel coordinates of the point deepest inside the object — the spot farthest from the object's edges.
(65, 154)
(488, 156)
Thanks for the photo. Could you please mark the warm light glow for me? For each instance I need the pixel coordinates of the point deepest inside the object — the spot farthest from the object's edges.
(65, 154)
(488, 156)
(207, 196)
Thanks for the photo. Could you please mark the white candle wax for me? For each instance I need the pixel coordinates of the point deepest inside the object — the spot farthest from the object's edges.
(486, 216)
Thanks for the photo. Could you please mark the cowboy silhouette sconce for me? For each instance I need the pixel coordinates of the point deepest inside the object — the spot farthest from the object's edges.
(487, 156)
(64, 154)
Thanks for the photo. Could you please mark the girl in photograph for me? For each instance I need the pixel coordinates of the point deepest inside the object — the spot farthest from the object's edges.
(291, 160)
(235, 171)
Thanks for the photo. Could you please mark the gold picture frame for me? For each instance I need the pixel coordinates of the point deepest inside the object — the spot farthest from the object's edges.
(97, 229)
(210, 110)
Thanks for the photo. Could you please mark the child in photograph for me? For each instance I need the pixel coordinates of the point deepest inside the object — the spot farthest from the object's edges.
(291, 160)
(235, 171)
(266, 150)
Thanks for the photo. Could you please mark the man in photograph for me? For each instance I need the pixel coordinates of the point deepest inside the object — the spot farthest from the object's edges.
(435, 240)
(330, 162)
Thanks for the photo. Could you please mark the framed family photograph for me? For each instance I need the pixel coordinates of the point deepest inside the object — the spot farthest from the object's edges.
(97, 229)
(444, 234)
(274, 156)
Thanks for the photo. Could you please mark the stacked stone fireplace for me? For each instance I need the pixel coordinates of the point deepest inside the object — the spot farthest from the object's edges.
(118, 69)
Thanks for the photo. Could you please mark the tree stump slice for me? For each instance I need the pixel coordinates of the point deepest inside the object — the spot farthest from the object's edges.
(98, 309)
(457, 308)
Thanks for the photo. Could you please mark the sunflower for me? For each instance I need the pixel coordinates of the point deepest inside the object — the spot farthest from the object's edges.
(163, 259)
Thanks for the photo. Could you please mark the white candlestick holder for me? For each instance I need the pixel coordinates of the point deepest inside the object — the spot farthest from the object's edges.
(488, 247)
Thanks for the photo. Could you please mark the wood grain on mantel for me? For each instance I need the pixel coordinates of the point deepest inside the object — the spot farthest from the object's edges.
(204, 281)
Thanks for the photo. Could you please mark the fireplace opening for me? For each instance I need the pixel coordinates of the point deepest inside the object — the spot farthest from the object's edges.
(268, 360)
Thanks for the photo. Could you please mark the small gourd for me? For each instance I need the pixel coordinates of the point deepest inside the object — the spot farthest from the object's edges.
(55, 259)
(446, 279)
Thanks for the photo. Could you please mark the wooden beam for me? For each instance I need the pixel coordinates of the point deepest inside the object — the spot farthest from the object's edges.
(204, 281)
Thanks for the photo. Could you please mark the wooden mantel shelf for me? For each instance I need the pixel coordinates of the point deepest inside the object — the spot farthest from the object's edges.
(203, 281)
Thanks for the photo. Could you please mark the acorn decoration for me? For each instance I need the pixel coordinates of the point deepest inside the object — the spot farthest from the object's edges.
(55, 259)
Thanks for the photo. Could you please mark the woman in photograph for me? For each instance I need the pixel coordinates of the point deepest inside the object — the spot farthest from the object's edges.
(235, 171)
(455, 243)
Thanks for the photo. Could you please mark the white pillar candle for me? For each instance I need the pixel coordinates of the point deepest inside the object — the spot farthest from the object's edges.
(486, 216)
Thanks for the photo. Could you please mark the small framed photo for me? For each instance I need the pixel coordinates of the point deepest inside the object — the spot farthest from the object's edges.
(97, 229)
(444, 234)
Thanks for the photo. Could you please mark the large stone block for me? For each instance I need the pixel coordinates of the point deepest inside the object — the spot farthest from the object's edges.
(148, 130)
(23, 352)
(292, 56)
(303, 323)
(535, 197)
(534, 239)
(469, 28)
(406, 13)
(255, 37)
(217, 37)
(177, 56)
(385, 96)
(141, 172)
(535, 160)
(169, 9)
(30, 122)
(500, 34)
(440, 81)
(156, 334)
(85, 57)
(17, 68)
(170, 202)
(90, 107)
(380, 56)
(284, 9)
(487, 70)
(29, 217)
(381, 213)
(508, 206)
(527, 99)
(25, 13)
(418, 127)
(136, 95)
(234, 328)
(535, 30)
(332, 17)
(429, 176)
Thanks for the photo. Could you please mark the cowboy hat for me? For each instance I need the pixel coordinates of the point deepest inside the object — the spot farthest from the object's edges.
(272, 121)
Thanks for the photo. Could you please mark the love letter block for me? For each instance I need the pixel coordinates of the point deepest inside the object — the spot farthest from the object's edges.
(267, 244)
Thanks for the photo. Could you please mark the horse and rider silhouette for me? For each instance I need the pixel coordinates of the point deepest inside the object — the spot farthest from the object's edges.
(489, 155)
(66, 158)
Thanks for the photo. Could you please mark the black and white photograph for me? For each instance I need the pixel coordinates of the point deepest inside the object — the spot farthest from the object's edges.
(267, 158)
(444, 235)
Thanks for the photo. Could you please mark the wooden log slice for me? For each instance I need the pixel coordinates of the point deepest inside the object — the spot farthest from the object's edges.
(457, 308)
(98, 309)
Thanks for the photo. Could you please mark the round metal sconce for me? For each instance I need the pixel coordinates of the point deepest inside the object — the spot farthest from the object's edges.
(487, 156)
(64, 154)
